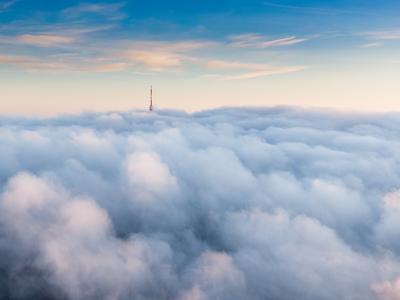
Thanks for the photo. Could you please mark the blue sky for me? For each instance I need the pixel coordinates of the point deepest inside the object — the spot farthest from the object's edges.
(61, 56)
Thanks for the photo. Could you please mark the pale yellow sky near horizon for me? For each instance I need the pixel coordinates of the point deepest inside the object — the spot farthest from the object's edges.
(355, 89)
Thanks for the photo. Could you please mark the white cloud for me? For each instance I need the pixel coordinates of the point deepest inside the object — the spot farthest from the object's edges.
(309, 9)
(371, 45)
(266, 72)
(139, 55)
(258, 41)
(388, 290)
(72, 49)
(229, 204)
(250, 70)
(383, 35)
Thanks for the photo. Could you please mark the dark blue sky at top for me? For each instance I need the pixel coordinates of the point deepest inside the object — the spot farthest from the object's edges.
(210, 18)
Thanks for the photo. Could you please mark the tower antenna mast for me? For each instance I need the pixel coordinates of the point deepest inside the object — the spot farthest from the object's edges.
(151, 98)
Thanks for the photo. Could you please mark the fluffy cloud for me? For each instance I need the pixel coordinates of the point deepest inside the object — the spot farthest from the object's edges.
(388, 290)
(276, 203)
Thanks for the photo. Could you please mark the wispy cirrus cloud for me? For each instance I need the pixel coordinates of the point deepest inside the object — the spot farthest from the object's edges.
(46, 36)
(89, 30)
(271, 70)
(30, 63)
(61, 63)
(111, 11)
(379, 37)
(5, 5)
(93, 53)
(371, 45)
(160, 56)
(70, 25)
(155, 56)
(393, 34)
(254, 40)
(309, 9)
(249, 70)
(44, 40)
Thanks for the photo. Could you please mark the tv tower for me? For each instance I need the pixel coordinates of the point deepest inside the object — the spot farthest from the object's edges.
(151, 99)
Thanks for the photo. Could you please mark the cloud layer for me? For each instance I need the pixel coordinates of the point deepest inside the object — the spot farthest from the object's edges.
(276, 203)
